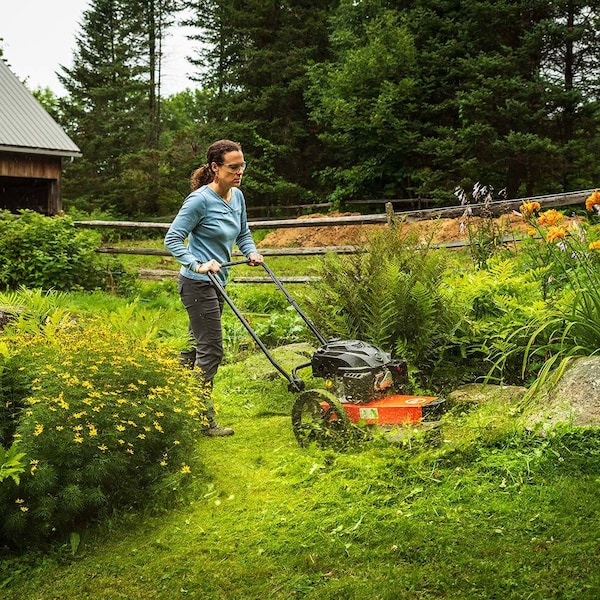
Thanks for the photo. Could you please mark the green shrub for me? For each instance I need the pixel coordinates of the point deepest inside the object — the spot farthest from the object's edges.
(51, 253)
(394, 296)
(106, 418)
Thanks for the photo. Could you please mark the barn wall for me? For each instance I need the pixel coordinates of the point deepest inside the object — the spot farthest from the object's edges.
(39, 166)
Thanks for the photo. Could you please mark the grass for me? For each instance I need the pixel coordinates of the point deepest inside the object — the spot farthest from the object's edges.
(490, 512)
(504, 516)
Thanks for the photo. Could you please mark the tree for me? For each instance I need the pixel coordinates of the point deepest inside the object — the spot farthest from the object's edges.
(113, 108)
(255, 56)
(363, 100)
(475, 99)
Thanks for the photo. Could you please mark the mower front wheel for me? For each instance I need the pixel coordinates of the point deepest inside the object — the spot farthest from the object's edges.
(318, 416)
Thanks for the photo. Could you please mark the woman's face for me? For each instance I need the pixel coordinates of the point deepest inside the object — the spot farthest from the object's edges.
(231, 170)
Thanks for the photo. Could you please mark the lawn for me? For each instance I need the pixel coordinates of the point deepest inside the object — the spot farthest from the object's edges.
(507, 516)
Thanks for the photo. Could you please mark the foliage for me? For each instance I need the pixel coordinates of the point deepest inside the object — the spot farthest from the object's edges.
(105, 416)
(113, 108)
(567, 257)
(338, 99)
(363, 103)
(394, 296)
(11, 463)
(485, 236)
(498, 301)
(486, 508)
(254, 56)
(50, 252)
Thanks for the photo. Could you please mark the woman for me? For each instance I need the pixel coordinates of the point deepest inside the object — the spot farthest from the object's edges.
(212, 218)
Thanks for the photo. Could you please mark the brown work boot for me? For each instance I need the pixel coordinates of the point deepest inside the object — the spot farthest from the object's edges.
(218, 431)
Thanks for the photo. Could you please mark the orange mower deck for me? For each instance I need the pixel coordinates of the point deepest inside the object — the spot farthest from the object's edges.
(396, 410)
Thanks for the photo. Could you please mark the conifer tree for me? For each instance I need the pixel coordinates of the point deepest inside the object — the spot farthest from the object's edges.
(113, 107)
(254, 55)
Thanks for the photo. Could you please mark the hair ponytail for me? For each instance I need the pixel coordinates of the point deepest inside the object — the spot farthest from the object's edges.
(201, 176)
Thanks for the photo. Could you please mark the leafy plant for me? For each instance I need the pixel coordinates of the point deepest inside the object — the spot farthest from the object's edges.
(393, 295)
(485, 236)
(11, 463)
(105, 417)
(51, 253)
(570, 326)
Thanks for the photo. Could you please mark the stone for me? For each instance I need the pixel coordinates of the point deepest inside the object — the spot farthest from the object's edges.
(574, 399)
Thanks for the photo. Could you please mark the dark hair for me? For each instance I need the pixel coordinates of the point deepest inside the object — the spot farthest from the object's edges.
(204, 174)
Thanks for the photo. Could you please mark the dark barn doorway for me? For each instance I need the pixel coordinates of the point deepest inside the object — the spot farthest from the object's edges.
(18, 193)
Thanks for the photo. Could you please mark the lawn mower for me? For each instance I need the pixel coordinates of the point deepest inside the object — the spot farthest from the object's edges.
(363, 384)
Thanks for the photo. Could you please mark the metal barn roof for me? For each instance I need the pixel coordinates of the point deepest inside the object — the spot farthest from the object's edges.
(25, 125)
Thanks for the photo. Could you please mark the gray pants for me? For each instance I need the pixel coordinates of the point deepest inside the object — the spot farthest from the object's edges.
(204, 306)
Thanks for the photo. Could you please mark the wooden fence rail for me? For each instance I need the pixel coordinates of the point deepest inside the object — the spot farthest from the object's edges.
(390, 217)
(496, 208)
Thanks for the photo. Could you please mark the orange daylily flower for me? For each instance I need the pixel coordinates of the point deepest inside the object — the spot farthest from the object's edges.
(528, 208)
(593, 200)
(556, 233)
(550, 218)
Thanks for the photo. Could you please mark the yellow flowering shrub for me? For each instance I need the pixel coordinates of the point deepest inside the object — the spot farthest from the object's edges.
(104, 418)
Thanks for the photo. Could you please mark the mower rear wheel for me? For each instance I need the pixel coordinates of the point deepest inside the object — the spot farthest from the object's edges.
(318, 416)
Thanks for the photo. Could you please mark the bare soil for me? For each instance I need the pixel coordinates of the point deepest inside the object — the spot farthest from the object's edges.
(437, 231)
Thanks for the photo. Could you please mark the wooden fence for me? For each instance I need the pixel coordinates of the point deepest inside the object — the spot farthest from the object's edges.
(495, 208)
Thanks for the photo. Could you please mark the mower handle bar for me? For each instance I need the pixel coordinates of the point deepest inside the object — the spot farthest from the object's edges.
(295, 384)
(289, 298)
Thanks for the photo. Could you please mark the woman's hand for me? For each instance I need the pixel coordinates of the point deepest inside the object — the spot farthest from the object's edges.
(254, 258)
(212, 265)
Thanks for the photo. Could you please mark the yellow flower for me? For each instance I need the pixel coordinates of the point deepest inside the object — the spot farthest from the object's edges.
(92, 430)
(593, 201)
(129, 451)
(19, 501)
(142, 436)
(163, 463)
(185, 468)
(59, 428)
(550, 218)
(23, 508)
(38, 429)
(103, 448)
(556, 233)
(595, 245)
(120, 428)
(78, 439)
(33, 464)
(528, 208)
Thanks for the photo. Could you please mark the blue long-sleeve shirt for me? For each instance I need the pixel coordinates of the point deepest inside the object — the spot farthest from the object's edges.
(211, 226)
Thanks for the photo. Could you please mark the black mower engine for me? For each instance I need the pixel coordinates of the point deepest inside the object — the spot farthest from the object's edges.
(360, 372)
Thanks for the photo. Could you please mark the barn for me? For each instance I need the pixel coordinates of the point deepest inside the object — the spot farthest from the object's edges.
(32, 148)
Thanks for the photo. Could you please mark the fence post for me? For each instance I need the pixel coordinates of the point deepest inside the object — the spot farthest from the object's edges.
(389, 213)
